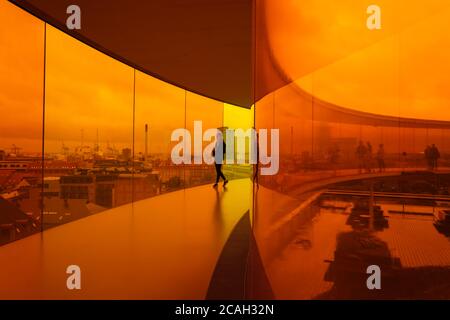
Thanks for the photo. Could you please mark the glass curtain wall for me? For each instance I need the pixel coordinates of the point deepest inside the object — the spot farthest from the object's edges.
(356, 106)
(21, 107)
(107, 136)
(360, 112)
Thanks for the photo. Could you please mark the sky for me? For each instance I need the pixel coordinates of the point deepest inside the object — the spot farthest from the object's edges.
(86, 94)
(21, 78)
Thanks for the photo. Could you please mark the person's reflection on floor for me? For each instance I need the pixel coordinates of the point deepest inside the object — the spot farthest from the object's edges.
(380, 158)
(219, 212)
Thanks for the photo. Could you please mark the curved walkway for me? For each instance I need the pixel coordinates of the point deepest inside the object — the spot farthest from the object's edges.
(164, 247)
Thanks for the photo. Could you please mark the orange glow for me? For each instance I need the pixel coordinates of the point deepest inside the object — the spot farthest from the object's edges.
(21, 78)
(89, 91)
(401, 70)
(161, 107)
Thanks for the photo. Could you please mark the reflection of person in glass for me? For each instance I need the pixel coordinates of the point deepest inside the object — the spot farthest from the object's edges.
(256, 168)
(368, 160)
(427, 153)
(434, 155)
(219, 155)
(361, 152)
(380, 158)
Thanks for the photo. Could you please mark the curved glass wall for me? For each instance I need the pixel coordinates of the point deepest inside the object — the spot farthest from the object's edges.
(159, 110)
(363, 139)
(364, 127)
(21, 106)
(210, 113)
(107, 135)
(367, 90)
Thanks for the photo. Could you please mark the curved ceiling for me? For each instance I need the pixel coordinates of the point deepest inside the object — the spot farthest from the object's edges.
(238, 51)
(401, 70)
(203, 46)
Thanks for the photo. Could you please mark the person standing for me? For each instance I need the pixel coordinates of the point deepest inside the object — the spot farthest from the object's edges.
(361, 152)
(435, 155)
(219, 155)
(380, 159)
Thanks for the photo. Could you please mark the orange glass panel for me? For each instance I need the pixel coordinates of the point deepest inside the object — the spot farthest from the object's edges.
(88, 131)
(160, 109)
(21, 107)
(210, 113)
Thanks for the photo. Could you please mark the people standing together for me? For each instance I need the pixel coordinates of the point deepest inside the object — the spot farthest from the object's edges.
(364, 153)
(365, 157)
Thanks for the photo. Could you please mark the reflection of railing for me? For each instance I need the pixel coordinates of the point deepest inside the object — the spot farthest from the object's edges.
(329, 112)
(302, 181)
(411, 160)
(396, 195)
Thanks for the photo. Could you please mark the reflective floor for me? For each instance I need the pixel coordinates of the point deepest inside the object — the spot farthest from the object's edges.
(164, 247)
(198, 243)
(329, 252)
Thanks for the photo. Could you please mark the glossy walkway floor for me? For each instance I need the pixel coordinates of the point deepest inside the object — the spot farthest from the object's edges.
(164, 247)
(327, 258)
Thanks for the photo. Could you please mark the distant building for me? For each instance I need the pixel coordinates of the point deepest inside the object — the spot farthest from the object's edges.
(78, 187)
(14, 165)
(126, 154)
(51, 187)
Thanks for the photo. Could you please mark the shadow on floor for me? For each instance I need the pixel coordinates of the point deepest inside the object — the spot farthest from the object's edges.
(239, 272)
(356, 250)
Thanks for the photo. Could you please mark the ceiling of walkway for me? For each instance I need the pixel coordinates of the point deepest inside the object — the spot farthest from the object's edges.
(218, 48)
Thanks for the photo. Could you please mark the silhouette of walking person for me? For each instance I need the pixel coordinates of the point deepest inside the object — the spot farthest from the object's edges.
(219, 155)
